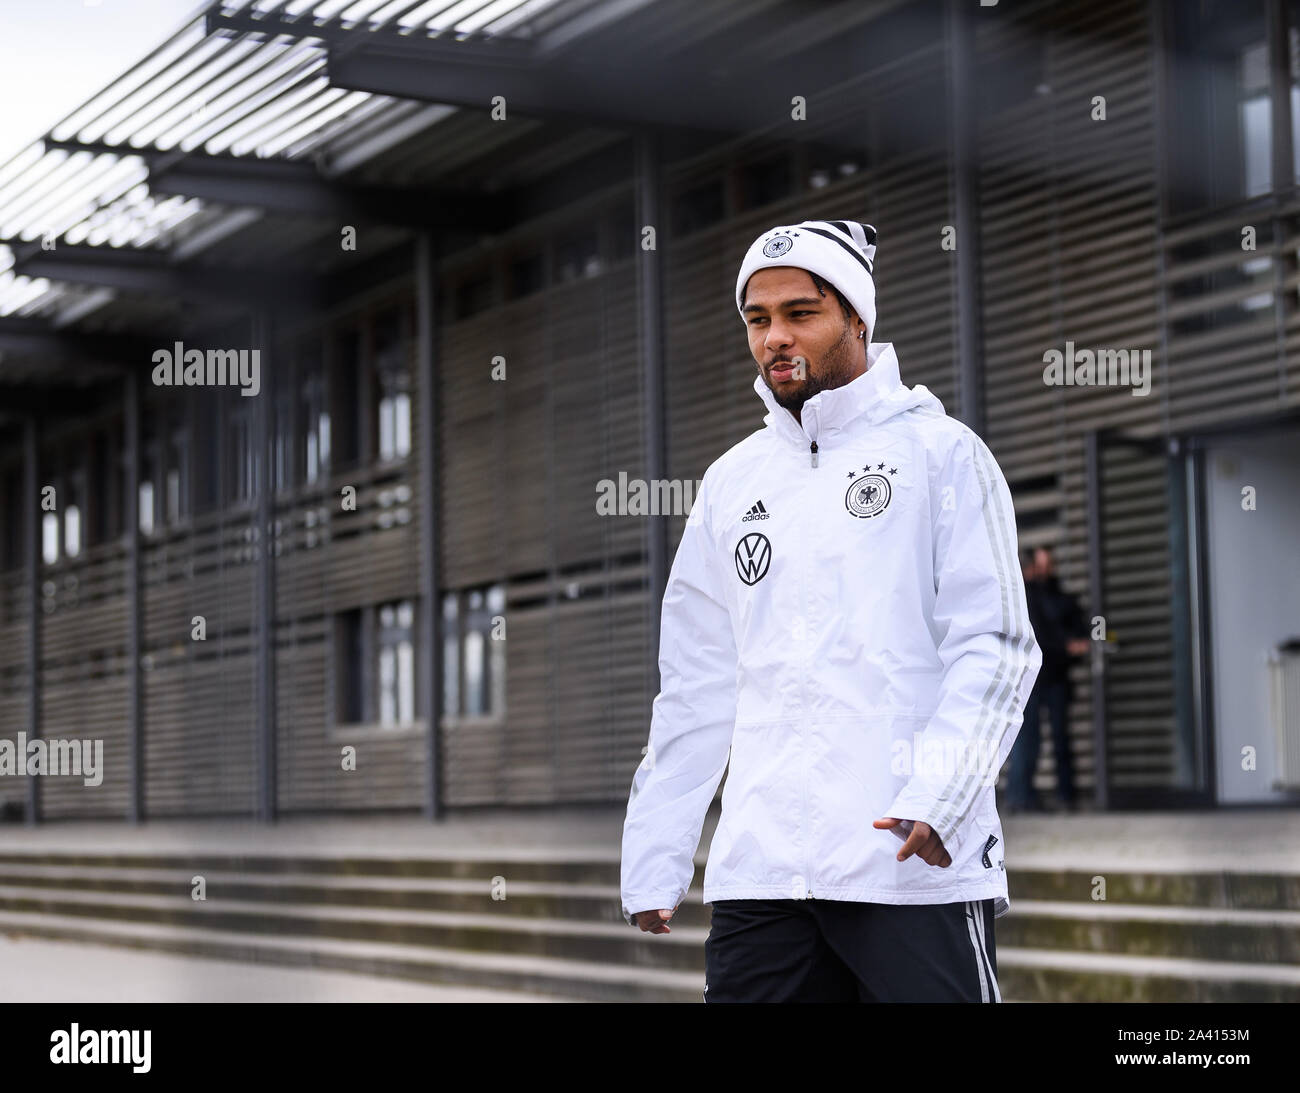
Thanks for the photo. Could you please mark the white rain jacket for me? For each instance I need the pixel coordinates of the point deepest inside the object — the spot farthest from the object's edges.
(844, 627)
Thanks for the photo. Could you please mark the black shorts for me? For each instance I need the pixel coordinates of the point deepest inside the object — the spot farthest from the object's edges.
(820, 950)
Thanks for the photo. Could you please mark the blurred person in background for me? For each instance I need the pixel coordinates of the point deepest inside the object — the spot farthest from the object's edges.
(1059, 626)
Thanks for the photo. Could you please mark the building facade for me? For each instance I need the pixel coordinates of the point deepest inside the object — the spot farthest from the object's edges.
(256, 601)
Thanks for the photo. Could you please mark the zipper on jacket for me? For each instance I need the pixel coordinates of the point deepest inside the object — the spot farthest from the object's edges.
(813, 452)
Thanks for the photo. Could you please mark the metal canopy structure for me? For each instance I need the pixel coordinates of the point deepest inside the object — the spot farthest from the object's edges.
(160, 186)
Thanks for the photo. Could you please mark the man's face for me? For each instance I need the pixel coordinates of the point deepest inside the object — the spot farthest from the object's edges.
(1042, 563)
(799, 338)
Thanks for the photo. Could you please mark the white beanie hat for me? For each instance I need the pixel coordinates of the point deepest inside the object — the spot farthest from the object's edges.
(842, 252)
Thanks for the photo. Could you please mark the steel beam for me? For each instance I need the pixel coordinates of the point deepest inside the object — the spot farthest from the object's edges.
(32, 528)
(107, 355)
(712, 84)
(48, 402)
(265, 456)
(1097, 601)
(965, 169)
(650, 210)
(296, 187)
(430, 645)
(134, 627)
(150, 273)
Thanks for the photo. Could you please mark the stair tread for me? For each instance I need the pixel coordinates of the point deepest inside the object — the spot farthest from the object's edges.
(271, 880)
(1008, 956)
(1021, 906)
(214, 905)
(603, 971)
(1175, 966)
(1172, 913)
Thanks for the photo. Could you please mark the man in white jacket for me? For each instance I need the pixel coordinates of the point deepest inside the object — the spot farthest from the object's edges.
(845, 633)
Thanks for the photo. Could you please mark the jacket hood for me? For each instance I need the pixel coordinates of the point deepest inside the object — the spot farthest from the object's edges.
(878, 394)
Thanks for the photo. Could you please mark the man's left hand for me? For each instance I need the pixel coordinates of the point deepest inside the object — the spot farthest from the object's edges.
(923, 841)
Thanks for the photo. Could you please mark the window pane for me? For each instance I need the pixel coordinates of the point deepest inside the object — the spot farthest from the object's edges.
(386, 449)
(1218, 112)
(173, 495)
(50, 538)
(348, 667)
(475, 676)
(406, 682)
(72, 531)
(146, 507)
(387, 687)
(450, 658)
(402, 425)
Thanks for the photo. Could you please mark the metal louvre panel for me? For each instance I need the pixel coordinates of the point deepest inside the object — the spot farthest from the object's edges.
(521, 463)
(1069, 237)
(1290, 362)
(1222, 306)
(1070, 253)
(83, 696)
(487, 483)
(13, 675)
(1140, 675)
(199, 714)
(909, 202)
(709, 372)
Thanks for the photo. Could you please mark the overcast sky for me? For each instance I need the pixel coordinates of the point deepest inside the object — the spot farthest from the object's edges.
(56, 54)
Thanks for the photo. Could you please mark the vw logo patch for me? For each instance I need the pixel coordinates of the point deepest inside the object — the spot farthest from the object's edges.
(753, 556)
(868, 496)
(774, 248)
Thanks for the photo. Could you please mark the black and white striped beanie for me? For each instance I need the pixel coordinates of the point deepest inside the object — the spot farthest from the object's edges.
(842, 252)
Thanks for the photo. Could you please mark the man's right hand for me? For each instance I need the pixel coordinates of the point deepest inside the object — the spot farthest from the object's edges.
(654, 922)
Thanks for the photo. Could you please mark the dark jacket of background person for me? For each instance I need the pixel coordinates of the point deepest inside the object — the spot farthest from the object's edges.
(1057, 618)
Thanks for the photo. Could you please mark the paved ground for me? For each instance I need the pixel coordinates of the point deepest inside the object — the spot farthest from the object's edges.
(33, 970)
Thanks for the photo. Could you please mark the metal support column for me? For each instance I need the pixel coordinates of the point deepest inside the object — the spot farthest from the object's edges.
(965, 194)
(1283, 257)
(650, 213)
(32, 527)
(430, 675)
(1097, 600)
(135, 633)
(264, 447)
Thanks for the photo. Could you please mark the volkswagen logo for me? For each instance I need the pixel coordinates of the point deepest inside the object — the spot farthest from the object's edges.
(753, 556)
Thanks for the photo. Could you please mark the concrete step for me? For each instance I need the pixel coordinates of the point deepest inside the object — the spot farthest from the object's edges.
(1231, 936)
(563, 979)
(1141, 929)
(1204, 933)
(1049, 975)
(1257, 890)
(1024, 974)
(517, 865)
(547, 899)
(1143, 884)
(481, 932)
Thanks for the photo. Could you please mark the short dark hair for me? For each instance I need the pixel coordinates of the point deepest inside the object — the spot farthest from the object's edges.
(822, 285)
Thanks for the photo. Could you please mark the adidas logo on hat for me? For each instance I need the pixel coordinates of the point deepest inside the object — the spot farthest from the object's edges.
(757, 512)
